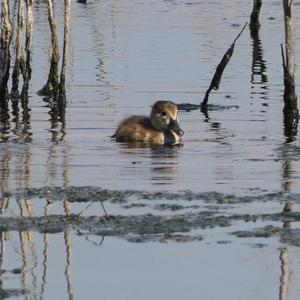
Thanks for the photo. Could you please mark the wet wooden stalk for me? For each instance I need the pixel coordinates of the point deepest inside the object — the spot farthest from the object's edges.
(53, 79)
(51, 88)
(290, 110)
(19, 58)
(254, 18)
(58, 106)
(5, 40)
(215, 82)
(28, 42)
(62, 91)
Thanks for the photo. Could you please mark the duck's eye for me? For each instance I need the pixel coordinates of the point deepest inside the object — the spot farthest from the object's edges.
(163, 113)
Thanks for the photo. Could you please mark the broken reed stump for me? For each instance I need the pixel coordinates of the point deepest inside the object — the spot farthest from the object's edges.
(290, 109)
(19, 58)
(254, 18)
(5, 40)
(215, 82)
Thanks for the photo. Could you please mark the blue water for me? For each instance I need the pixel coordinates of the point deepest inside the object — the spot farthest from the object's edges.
(123, 56)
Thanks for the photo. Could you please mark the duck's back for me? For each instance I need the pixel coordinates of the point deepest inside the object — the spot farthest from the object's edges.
(138, 129)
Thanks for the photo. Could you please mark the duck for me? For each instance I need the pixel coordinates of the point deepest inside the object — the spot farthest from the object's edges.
(161, 128)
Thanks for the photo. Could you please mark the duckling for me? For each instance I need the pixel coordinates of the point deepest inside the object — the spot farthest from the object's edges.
(160, 128)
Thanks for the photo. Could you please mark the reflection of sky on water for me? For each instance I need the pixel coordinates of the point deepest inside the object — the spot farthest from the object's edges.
(49, 273)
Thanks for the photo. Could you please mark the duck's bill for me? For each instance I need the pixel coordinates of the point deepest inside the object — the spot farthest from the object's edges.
(174, 126)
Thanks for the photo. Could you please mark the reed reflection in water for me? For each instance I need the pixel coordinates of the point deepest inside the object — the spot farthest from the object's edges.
(259, 78)
(29, 273)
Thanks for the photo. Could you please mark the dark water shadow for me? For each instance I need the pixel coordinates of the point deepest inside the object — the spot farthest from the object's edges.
(290, 125)
(210, 107)
(259, 78)
(57, 113)
(163, 160)
(140, 145)
(164, 164)
(4, 124)
(15, 124)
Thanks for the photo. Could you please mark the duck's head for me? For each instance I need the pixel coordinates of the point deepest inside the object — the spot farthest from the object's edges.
(164, 117)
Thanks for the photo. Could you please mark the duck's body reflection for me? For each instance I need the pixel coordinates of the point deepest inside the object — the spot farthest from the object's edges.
(161, 161)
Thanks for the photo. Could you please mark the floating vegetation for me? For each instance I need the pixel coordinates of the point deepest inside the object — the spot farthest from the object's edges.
(210, 107)
(286, 235)
(7, 293)
(178, 217)
(176, 226)
(91, 193)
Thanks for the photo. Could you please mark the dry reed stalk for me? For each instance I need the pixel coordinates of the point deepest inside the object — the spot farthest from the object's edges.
(51, 88)
(65, 48)
(290, 109)
(5, 40)
(53, 73)
(290, 54)
(28, 42)
(290, 97)
(19, 59)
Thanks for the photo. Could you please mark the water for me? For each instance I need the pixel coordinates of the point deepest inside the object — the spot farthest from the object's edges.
(232, 176)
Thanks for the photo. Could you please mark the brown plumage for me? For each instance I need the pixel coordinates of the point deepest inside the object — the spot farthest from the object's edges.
(160, 128)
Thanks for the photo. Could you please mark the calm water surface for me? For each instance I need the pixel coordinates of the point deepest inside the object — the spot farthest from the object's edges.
(123, 56)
